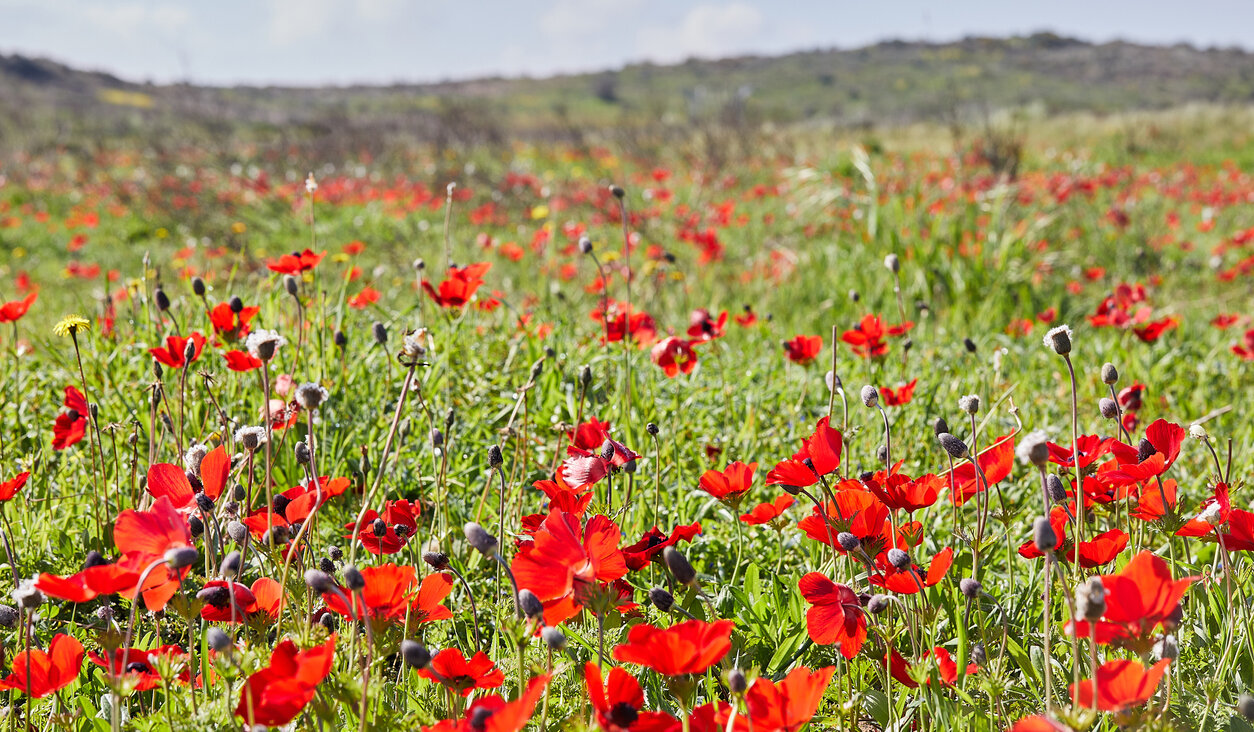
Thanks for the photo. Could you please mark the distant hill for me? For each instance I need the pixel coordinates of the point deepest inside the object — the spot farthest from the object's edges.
(888, 83)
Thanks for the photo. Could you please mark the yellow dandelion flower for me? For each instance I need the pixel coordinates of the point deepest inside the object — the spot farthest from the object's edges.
(70, 325)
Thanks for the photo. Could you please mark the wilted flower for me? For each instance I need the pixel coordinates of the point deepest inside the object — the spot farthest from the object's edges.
(262, 344)
(1059, 339)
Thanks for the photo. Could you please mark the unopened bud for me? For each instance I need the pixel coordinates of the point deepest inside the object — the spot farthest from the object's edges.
(353, 578)
(1108, 408)
(679, 566)
(1110, 374)
(415, 654)
(479, 539)
(956, 448)
(181, 557)
(1043, 535)
(661, 599)
(870, 397)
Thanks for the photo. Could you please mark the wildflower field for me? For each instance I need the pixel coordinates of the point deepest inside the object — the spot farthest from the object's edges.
(832, 437)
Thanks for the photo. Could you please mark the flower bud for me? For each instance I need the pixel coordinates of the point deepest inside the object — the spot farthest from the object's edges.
(1110, 374)
(968, 344)
(877, 604)
(162, 299)
(652, 429)
(217, 596)
(969, 403)
(1090, 599)
(180, 557)
(235, 304)
(237, 531)
(189, 351)
(585, 245)
(899, 559)
(341, 339)
(8, 616)
(379, 528)
(329, 621)
(679, 566)
(303, 456)
(848, 541)
(940, 426)
(661, 599)
(353, 579)
(1245, 706)
(335, 553)
(479, 539)
(196, 526)
(1167, 648)
(380, 332)
(1108, 408)
(204, 503)
(893, 263)
(415, 654)
(617, 192)
(979, 656)
(218, 640)
(290, 284)
(231, 564)
(1043, 535)
(531, 606)
(736, 681)
(553, 638)
(970, 587)
(870, 397)
(436, 560)
(1145, 450)
(319, 581)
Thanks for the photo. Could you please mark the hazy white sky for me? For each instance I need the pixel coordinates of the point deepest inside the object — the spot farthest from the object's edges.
(381, 41)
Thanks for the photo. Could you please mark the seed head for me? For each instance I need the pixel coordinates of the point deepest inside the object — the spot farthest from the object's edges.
(8, 616)
(969, 403)
(956, 448)
(193, 457)
(1034, 448)
(250, 438)
(1245, 705)
(303, 455)
(380, 332)
(335, 553)
(311, 396)
(436, 560)
(1059, 339)
(262, 344)
(892, 263)
(1110, 374)
(341, 340)
(848, 541)
(877, 604)
(978, 654)
(1198, 432)
(899, 559)
(162, 299)
(1090, 599)
(1043, 535)
(495, 458)
(585, 245)
(236, 304)
(237, 531)
(189, 351)
(736, 681)
(1056, 489)
(204, 503)
(834, 384)
(652, 429)
(870, 397)
(1108, 408)
(329, 621)
(291, 285)
(939, 426)
(1167, 647)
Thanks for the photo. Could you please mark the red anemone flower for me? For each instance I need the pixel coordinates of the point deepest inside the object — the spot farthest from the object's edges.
(947, 667)
(451, 668)
(71, 425)
(144, 537)
(1139, 599)
(493, 714)
(674, 355)
(228, 324)
(566, 558)
(277, 693)
(50, 670)
(241, 361)
(803, 349)
(1121, 684)
(364, 299)
(400, 521)
(584, 467)
(1154, 330)
(175, 349)
(822, 449)
(11, 487)
(650, 547)
(996, 461)
(690, 647)
(90, 583)
(296, 262)
(390, 594)
(855, 511)
(166, 479)
(764, 513)
(459, 287)
(703, 326)
(866, 338)
(139, 665)
(899, 396)
(11, 312)
(731, 484)
(901, 492)
(618, 703)
(835, 615)
(1157, 453)
(1090, 447)
(910, 581)
(788, 705)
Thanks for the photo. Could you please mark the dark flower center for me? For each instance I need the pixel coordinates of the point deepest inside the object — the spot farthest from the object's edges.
(623, 714)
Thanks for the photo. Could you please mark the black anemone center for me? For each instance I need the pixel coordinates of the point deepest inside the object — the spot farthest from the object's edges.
(623, 714)
(479, 718)
(137, 667)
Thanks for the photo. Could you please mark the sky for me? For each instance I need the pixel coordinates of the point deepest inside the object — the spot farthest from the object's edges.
(315, 42)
